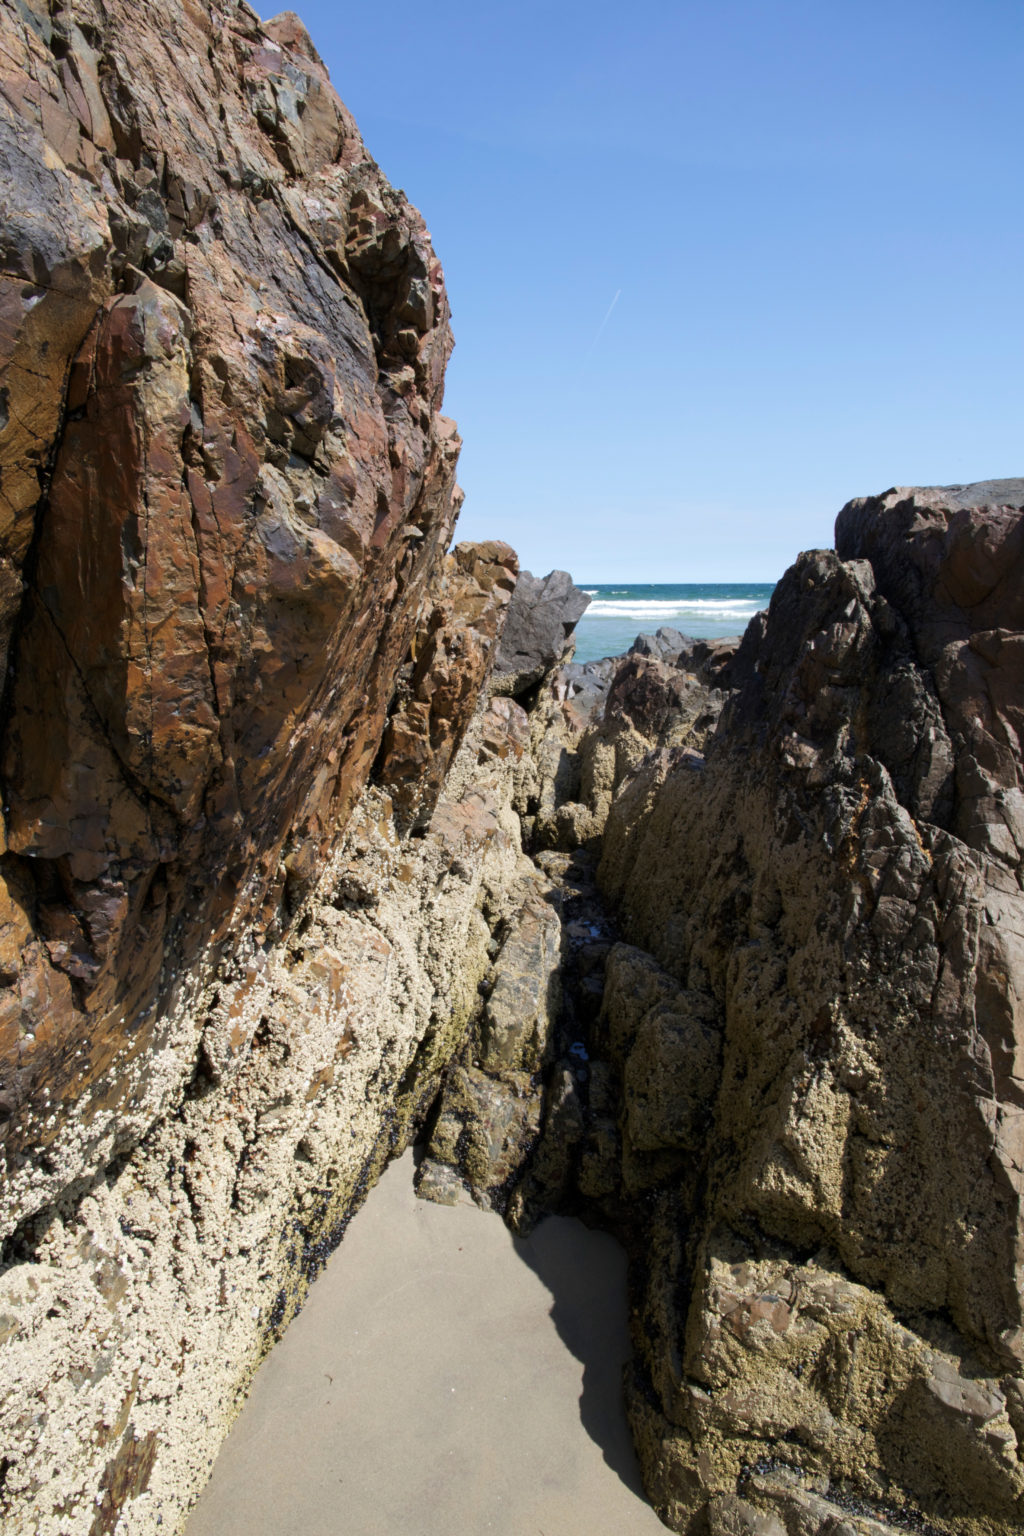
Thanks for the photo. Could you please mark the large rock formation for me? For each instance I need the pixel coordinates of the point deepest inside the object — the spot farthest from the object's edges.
(226, 995)
(786, 1067)
(134, 1313)
(538, 632)
(226, 486)
(264, 905)
(817, 1028)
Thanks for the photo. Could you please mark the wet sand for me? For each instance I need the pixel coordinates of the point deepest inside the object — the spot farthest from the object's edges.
(443, 1379)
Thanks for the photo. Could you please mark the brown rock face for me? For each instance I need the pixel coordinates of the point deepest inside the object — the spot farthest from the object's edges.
(654, 697)
(226, 486)
(134, 1312)
(831, 1303)
(453, 655)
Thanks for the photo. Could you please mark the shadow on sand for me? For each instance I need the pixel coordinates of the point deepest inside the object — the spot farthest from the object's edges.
(585, 1272)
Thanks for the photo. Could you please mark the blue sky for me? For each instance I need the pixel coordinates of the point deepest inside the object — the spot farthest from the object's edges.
(715, 266)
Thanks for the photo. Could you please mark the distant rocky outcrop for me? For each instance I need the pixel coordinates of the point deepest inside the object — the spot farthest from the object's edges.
(538, 631)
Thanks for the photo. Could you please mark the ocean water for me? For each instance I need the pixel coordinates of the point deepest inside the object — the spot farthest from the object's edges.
(709, 611)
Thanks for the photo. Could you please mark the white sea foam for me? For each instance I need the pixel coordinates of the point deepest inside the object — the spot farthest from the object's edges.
(663, 610)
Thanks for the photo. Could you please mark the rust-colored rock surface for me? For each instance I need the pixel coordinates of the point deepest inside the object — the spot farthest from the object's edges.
(134, 1311)
(226, 486)
(453, 653)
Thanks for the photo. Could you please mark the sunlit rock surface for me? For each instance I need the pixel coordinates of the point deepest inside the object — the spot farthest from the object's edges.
(832, 1303)
(721, 947)
(227, 492)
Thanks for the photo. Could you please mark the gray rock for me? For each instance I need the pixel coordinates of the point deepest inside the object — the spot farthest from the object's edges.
(523, 1005)
(583, 687)
(541, 618)
(664, 645)
(489, 1112)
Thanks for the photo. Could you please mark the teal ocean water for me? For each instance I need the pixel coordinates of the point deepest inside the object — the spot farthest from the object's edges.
(617, 614)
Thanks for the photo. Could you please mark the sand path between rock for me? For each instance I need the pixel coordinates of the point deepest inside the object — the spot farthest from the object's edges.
(443, 1379)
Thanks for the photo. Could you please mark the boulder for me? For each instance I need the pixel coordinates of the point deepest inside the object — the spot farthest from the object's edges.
(710, 660)
(488, 1115)
(582, 687)
(538, 630)
(659, 700)
(664, 645)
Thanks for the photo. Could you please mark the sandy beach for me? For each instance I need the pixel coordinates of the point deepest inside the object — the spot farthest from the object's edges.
(443, 1378)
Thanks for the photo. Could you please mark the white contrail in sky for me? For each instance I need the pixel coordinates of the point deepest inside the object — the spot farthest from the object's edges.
(604, 322)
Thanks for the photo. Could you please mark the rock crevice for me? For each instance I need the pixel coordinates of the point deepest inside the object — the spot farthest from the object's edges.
(798, 1085)
(315, 840)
